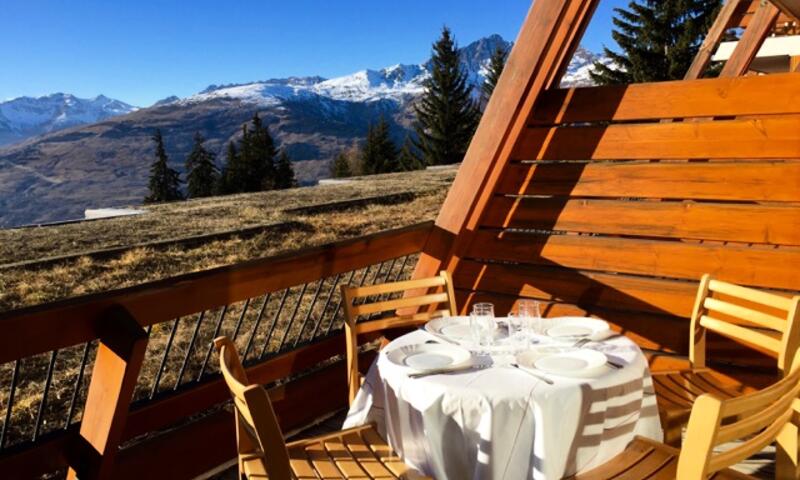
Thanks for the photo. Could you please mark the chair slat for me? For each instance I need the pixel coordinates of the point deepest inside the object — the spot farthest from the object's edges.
(751, 294)
(747, 335)
(753, 316)
(397, 286)
(387, 305)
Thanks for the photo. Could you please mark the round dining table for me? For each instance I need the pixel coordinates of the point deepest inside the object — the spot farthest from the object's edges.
(499, 421)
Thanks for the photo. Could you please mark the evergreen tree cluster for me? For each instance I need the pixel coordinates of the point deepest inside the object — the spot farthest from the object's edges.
(253, 164)
(658, 40)
(377, 154)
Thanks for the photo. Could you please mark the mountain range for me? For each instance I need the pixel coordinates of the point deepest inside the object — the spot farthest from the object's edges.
(105, 162)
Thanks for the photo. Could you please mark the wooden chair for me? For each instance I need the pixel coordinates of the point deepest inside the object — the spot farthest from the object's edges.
(756, 419)
(354, 453)
(744, 314)
(380, 300)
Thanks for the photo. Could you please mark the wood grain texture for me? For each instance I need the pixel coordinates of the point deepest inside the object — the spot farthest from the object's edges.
(742, 96)
(750, 138)
(756, 265)
(763, 224)
(712, 39)
(766, 181)
(758, 28)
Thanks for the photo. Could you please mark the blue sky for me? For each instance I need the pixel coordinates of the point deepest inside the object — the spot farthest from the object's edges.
(142, 51)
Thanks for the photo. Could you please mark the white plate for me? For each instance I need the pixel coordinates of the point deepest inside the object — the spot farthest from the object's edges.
(451, 328)
(575, 363)
(429, 356)
(578, 327)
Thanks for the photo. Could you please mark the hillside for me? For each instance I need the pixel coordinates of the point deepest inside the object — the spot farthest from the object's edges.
(106, 164)
(244, 227)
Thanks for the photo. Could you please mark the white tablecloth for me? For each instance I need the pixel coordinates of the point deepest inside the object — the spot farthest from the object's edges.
(503, 423)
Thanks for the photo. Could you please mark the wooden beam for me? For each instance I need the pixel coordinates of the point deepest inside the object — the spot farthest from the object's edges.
(794, 63)
(789, 7)
(114, 375)
(712, 40)
(760, 26)
(547, 33)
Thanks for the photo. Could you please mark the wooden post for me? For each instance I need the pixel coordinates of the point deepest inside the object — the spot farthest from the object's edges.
(548, 37)
(116, 369)
(794, 63)
(710, 43)
(758, 29)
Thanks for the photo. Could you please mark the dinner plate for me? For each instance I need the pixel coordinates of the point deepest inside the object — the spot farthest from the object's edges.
(452, 328)
(575, 363)
(578, 327)
(429, 356)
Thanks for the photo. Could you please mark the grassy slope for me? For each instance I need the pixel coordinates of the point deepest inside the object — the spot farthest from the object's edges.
(33, 285)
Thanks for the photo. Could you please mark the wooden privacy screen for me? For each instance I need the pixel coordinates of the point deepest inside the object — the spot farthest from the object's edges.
(616, 200)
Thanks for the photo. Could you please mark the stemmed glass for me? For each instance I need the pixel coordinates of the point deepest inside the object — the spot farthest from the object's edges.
(482, 323)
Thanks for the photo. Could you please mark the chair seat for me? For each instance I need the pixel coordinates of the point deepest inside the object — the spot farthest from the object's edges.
(645, 459)
(356, 453)
(677, 390)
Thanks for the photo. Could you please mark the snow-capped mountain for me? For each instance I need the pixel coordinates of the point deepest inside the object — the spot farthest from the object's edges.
(577, 74)
(25, 117)
(59, 174)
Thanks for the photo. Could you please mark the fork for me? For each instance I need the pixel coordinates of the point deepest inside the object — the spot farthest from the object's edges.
(540, 377)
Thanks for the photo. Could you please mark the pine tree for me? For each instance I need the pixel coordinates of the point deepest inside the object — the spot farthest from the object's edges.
(658, 38)
(446, 114)
(164, 184)
(408, 159)
(284, 172)
(231, 180)
(258, 151)
(201, 171)
(340, 168)
(496, 64)
(379, 153)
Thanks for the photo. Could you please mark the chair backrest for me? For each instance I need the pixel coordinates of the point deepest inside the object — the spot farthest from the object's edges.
(376, 301)
(763, 320)
(757, 419)
(258, 435)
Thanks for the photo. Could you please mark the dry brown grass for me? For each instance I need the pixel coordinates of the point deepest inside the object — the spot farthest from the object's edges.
(28, 286)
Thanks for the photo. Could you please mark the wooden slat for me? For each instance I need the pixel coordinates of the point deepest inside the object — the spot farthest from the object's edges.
(422, 283)
(743, 334)
(770, 137)
(758, 28)
(756, 266)
(772, 225)
(751, 295)
(754, 317)
(790, 7)
(742, 96)
(713, 37)
(432, 299)
(729, 181)
(65, 323)
(585, 289)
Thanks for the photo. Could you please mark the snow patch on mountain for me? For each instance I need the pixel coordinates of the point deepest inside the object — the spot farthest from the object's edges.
(24, 117)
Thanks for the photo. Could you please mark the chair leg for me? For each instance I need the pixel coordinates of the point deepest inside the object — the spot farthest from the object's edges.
(787, 453)
(672, 435)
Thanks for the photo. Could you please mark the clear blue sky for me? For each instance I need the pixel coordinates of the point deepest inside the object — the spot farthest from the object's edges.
(144, 50)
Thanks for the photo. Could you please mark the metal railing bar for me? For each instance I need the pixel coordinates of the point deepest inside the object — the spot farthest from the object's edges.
(402, 267)
(189, 349)
(294, 314)
(78, 382)
(163, 363)
(12, 390)
(339, 304)
(43, 404)
(327, 304)
(274, 324)
(309, 313)
(241, 319)
(255, 327)
(211, 341)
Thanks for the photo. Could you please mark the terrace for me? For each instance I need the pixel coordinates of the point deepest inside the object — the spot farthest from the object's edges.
(608, 202)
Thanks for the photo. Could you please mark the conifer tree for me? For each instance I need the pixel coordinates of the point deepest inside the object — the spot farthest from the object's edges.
(340, 168)
(231, 180)
(258, 151)
(284, 172)
(446, 114)
(164, 184)
(201, 171)
(379, 153)
(408, 159)
(496, 64)
(658, 40)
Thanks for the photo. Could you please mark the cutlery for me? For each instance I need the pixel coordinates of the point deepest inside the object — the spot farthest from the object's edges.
(444, 371)
(613, 364)
(540, 377)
